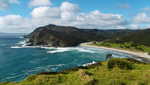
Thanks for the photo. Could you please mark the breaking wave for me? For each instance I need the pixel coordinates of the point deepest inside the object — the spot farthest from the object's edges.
(24, 44)
(80, 49)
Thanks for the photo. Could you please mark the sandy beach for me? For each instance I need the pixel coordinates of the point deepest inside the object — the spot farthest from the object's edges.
(141, 55)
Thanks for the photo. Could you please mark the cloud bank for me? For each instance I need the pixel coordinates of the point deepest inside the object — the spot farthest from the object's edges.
(67, 14)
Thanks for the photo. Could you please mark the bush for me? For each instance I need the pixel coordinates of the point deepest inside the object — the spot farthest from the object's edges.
(148, 53)
(92, 82)
(118, 82)
(120, 63)
(140, 47)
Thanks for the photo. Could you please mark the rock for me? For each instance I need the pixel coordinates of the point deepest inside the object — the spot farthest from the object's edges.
(108, 56)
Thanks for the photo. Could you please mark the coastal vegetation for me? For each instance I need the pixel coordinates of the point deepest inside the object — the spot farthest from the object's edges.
(125, 45)
(134, 41)
(112, 72)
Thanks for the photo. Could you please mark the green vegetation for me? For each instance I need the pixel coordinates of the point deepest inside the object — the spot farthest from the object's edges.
(124, 72)
(120, 63)
(125, 45)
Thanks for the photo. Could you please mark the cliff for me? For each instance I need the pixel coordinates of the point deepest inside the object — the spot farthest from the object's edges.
(65, 36)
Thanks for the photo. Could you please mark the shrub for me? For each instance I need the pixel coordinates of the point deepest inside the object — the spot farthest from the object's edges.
(120, 63)
(92, 82)
(140, 47)
(118, 82)
(135, 61)
(106, 44)
(148, 53)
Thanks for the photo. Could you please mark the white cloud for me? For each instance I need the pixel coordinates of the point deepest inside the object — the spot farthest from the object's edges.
(40, 3)
(69, 11)
(47, 12)
(96, 19)
(4, 4)
(142, 18)
(67, 14)
(14, 23)
(134, 26)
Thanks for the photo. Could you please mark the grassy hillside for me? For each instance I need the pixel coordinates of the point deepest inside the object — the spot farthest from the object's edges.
(126, 45)
(141, 37)
(104, 73)
(137, 41)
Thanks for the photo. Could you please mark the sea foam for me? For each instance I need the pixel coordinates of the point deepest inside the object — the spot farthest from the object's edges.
(80, 49)
(88, 64)
(24, 44)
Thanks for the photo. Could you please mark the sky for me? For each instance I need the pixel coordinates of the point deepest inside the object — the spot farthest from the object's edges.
(23, 16)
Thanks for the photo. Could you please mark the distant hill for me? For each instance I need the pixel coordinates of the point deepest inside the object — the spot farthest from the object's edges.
(53, 35)
(140, 37)
(11, 35)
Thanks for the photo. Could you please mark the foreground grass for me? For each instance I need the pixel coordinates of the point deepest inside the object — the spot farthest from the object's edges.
(98, 74)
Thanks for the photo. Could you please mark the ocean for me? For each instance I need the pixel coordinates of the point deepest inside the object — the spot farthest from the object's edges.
(18, 61)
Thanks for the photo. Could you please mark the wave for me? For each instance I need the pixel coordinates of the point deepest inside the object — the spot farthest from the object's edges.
(24, 44)
(53, 50)
(59, 50)
(88, 64)
(48, 48)
(86, 50)
(15, 47)
(47, 68)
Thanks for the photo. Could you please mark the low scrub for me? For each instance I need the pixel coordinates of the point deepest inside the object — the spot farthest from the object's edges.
(125, 45)
(120, 63)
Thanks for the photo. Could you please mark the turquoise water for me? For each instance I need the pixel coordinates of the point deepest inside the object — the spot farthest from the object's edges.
(17, 61)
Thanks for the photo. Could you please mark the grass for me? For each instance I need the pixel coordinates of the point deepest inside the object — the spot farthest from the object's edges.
(127, 46)
(98, 74)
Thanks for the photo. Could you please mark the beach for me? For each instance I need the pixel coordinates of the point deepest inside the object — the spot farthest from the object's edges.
(141, 55)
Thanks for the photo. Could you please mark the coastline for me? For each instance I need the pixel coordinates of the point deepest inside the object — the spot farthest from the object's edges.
(141, 56)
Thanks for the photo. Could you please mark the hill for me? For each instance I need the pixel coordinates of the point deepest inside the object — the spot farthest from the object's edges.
(141, 37)
(63, 36)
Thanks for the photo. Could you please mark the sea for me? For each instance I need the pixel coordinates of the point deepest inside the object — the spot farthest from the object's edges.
(17, 61)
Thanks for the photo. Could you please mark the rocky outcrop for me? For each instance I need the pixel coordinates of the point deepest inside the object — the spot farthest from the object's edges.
(65, 36)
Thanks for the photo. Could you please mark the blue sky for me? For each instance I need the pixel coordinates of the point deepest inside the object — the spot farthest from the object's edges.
(107, 6)
(100, 14)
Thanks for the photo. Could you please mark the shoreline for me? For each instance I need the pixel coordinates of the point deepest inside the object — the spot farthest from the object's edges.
(141, 56)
